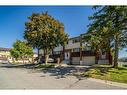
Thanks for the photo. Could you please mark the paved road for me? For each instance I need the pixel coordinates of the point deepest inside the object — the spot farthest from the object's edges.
(17, 78)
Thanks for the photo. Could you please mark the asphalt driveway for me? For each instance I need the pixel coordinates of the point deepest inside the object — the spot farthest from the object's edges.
(22, 78)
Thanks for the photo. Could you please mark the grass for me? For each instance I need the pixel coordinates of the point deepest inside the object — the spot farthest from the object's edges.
(107, 73)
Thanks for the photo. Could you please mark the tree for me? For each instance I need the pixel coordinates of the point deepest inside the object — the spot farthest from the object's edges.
(21, 50)
(31, 33)
(45, 32)
(94, 41)
(114, 18)
(99, 41)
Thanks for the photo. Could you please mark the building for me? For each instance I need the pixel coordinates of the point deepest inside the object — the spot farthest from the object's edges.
(5, 57)
(78, 53)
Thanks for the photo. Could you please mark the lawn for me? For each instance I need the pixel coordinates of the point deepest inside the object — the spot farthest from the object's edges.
(108, 73)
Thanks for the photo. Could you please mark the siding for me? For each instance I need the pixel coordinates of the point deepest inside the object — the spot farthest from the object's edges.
(84, 53)
(90, 60)
(72, 45)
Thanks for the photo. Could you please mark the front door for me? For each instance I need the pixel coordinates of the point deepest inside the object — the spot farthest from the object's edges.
(67, 55)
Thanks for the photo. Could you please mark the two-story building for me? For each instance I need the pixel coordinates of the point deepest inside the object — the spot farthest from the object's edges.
(78, 53)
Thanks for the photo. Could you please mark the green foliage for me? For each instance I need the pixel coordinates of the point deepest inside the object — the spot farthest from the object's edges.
(21, 49)
(109, 24)
(44, 32)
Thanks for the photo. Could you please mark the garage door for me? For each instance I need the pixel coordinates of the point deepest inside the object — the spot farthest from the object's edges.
(88, 60)
(76, 60)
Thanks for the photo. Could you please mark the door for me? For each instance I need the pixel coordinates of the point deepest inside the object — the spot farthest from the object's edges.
(67, 55)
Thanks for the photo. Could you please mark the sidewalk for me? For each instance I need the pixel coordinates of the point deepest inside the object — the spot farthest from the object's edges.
(123, 85)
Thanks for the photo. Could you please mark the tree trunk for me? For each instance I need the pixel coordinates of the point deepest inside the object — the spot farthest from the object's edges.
(13, 60)
(110, 57)
(38, 60)
(46, 58)
(96, 57)
(115, 65)
(23, 60)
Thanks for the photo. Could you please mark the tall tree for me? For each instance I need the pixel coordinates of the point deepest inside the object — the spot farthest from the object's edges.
(21, 50)
(99, 41)
(45, 32)
(31, 33)
(115, 19)
(94, 40)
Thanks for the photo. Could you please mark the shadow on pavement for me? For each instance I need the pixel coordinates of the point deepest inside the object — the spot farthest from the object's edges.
(62, 72)
(59, 72)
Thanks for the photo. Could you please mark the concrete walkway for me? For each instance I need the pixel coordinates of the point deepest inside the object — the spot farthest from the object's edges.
(17, 78)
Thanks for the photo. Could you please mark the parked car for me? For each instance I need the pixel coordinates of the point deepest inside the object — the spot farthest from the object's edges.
(50, 60)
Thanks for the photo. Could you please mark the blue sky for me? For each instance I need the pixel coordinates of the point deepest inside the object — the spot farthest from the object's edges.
(12, 19)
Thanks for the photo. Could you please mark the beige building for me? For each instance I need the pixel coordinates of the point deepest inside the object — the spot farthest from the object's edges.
(78, 53)
(5, 57)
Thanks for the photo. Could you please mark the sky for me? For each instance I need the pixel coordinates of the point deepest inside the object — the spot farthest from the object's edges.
(13, 18)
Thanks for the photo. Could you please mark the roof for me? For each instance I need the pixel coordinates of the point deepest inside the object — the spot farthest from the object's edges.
(5, 49)
(76, 36)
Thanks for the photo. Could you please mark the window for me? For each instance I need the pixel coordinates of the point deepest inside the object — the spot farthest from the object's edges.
(76, 40)
(88, 48)
(76, 50)
(57, 52)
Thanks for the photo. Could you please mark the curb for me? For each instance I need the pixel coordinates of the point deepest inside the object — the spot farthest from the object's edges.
(122, 85)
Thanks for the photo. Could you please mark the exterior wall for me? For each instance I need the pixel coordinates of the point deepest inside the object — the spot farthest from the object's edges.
(72, 45)
(103, 58)
(103, 61)
(4, 53)
(84, 53)
(76, 60)
(88, 60)
(75, 51)
(5, 57)
(3, 61)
